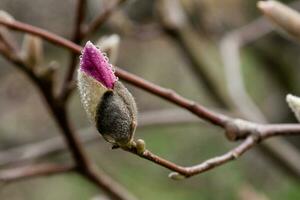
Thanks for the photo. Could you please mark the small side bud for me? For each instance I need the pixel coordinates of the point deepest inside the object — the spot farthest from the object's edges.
(283, 16)
(294, 104)
(110, 45)
(32, 51)
(176, 176)
(140, 146)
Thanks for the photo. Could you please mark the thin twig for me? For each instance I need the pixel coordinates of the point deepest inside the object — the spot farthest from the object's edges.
(250, 133)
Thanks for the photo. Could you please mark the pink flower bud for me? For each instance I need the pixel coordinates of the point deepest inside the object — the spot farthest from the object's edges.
(96, 65)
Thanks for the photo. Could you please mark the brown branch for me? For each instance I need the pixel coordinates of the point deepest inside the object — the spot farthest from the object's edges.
(173, 97)
(51, 37)
(33, 170)
(250, 133)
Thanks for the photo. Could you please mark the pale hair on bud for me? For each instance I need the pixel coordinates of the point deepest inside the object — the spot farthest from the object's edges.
(91, 92)
(286, 18)
(294, 104)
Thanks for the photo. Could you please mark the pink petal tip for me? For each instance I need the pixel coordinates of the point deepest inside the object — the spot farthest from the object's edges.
(96, 65)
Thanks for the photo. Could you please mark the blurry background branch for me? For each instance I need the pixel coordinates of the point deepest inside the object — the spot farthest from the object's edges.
(34, 170)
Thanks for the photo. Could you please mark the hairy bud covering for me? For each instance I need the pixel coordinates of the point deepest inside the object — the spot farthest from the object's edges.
(108, 103)
(116, 115)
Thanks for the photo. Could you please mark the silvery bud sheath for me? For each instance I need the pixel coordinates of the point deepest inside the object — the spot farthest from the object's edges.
(108, 103)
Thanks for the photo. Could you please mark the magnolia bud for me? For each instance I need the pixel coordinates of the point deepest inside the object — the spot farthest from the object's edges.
(109, 105)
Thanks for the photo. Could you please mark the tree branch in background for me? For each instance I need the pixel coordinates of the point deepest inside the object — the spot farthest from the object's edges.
(175, 24)
(33, 170)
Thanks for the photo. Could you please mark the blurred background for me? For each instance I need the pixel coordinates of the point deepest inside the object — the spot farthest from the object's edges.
(190, 47)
